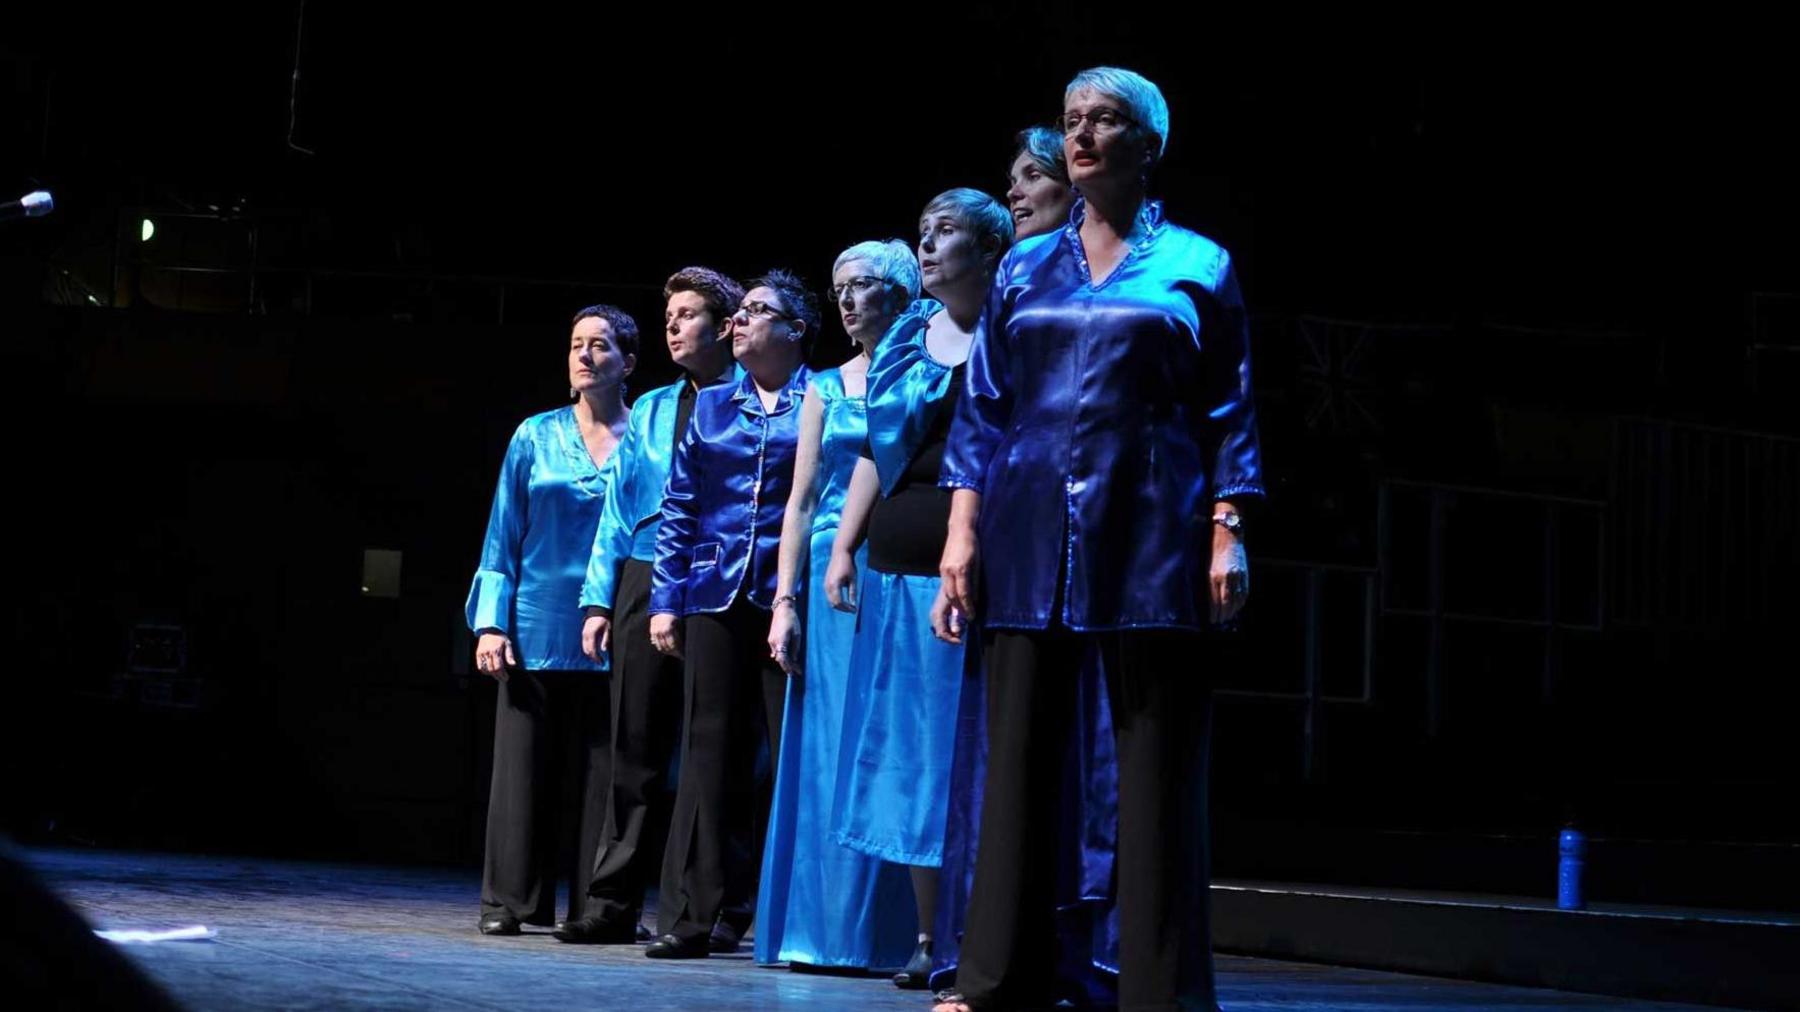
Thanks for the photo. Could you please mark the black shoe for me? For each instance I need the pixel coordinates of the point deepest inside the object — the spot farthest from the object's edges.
(917, 975)
(595, 931)
(499, 924)
(676, 947)
(643, 933)
(723, 940)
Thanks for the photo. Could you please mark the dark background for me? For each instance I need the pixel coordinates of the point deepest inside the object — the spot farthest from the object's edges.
(1528, 349)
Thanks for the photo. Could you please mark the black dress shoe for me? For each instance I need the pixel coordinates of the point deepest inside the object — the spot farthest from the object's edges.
(594, 931)
(676, 947)
(643, 933)
(723, 939)
(499, 924)
(917, 975)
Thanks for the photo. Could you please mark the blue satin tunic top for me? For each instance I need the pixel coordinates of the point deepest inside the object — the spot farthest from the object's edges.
(539, 534)
(727, 493)
(1100, 422)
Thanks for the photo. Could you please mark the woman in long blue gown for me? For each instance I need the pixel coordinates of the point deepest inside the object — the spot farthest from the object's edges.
(821, 904)
(900, 718)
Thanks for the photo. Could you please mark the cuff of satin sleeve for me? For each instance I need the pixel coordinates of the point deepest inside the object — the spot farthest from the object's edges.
(952, 481)
(597, 597)
(491, 601)
(664, 604)
(1239, 491)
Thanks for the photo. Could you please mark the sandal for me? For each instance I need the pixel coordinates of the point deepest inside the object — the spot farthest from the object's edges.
(951, 1001)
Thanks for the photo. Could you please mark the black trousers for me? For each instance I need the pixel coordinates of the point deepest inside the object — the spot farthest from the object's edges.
(1162, 717)
(735, 692)
(547, 799)
(646, 713)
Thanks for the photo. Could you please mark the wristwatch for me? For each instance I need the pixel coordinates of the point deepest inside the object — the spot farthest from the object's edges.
(1231, 520)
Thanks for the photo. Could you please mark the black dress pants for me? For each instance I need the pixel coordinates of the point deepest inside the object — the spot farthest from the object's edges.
(734, 697)
(1162, 714)
(547, 799)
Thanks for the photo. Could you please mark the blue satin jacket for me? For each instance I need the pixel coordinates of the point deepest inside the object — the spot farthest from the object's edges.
(1100, 422)
(905, 386)
(638, 470)
(728, 489)
(539, 530)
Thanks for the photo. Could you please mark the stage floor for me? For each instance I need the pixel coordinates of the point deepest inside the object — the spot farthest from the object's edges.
(295, 935)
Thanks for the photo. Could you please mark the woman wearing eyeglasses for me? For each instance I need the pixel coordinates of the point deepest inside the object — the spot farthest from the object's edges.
(1039, 197)
(1099, 456)
(904, 686)
(821, 904)
(711, 590)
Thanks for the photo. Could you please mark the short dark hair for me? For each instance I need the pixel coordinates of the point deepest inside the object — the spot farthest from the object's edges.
(721, 294)
(624, 328)
(801, 304)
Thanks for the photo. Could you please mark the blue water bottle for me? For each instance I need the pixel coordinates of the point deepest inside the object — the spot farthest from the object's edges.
(1573, 847)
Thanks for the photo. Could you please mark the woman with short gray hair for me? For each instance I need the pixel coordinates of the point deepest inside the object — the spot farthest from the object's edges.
(893, 790)
(1100, 457)
(821, 904)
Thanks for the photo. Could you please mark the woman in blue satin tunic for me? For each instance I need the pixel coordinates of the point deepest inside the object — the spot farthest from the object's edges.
(1103, 445)
(712, 590)
(1039, 197)
(821, 904)
(904, 686)
(524, 607)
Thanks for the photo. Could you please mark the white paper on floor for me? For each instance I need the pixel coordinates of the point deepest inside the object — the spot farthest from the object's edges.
(196, 933)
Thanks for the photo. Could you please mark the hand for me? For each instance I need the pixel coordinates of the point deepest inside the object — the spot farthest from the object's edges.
(596, 636)
(784, 638)
(494, 655)
(956, 569)
(947, 623)
(1230, 577)
(665, 634)
(840, 581)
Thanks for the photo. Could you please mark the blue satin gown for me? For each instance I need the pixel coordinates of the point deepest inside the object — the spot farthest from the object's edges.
(822, 904)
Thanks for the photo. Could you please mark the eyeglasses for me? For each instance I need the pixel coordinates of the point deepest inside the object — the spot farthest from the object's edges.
(1104, 120)
(855, 286)
(756, 307)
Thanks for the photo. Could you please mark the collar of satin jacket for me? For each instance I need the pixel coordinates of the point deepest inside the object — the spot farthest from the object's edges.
(905, 387)
(1100, 422)
(633, 506)
(727, 492)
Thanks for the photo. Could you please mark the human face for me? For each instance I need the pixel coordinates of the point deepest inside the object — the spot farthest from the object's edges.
(950, 254)
(1039, 201)
(1102, 144)
(865, 308)
(596, 362)
(690, 329)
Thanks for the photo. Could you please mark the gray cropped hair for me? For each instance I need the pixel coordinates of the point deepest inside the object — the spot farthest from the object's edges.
(891, 260)
(1142, 99)
(977, 211)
